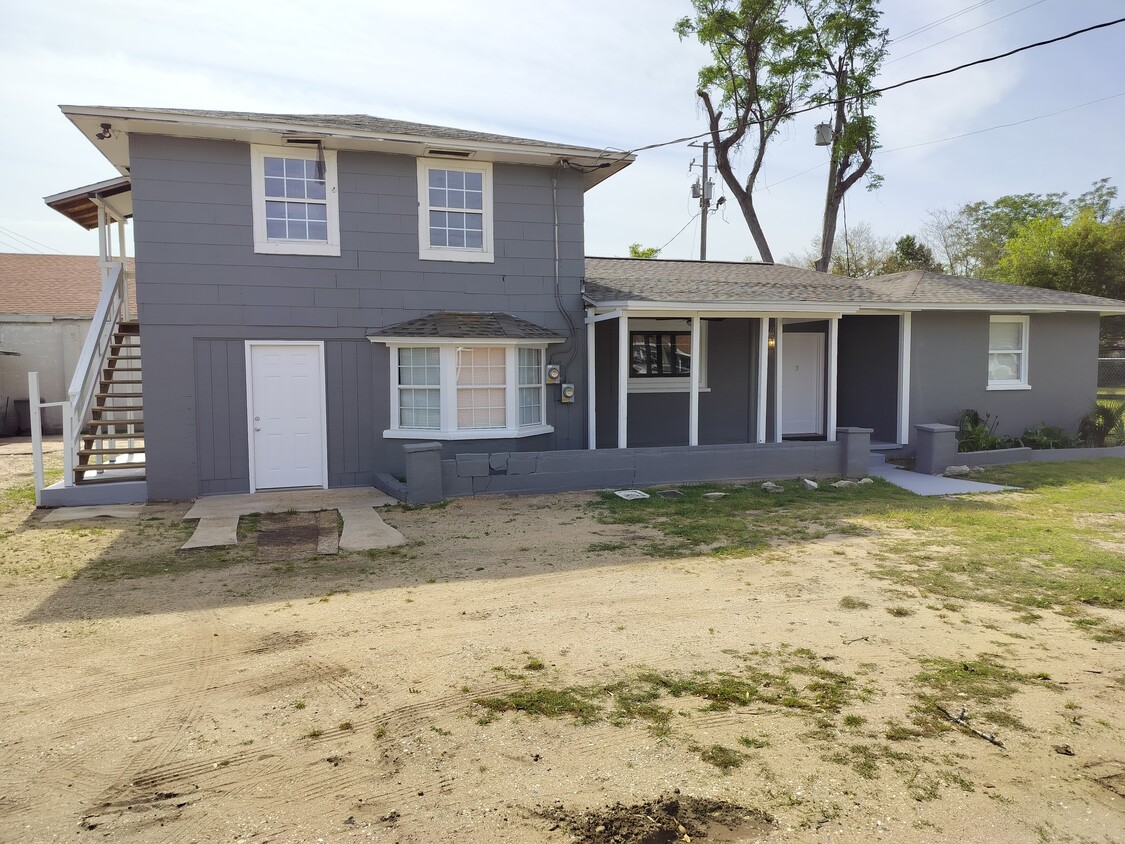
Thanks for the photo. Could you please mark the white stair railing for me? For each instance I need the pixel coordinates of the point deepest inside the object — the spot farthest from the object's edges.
(112, 307)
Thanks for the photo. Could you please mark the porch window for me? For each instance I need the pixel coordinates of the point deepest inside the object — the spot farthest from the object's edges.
(660, 355)
(294, 193)
(468, 390)
(1007, 353)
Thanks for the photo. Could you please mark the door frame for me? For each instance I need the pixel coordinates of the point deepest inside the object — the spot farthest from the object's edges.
(820, 379)
(250, 344)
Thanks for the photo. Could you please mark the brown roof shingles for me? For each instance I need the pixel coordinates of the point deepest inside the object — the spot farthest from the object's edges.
(646, 280)
(447, 324)
(55, 285)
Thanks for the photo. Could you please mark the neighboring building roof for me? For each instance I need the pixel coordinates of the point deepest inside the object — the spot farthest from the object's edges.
(615, 282)
(53, 285)
(468, 326)
(337, 131)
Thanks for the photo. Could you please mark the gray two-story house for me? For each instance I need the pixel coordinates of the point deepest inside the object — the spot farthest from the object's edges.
(315, 292)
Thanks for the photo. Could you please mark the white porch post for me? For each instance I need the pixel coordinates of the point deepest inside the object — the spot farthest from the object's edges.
(623, 380)
(777, 386)
(37, 435)
(591, 383)
(693, 401)
(904, 378)
(121, 255)
(763, 375)
(833, 356)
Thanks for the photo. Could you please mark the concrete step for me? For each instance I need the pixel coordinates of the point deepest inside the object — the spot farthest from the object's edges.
(876, 459)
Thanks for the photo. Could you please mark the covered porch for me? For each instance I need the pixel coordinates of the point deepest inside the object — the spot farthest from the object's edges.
(721, 365)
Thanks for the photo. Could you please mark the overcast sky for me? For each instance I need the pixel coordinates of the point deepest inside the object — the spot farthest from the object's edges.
(601, 74)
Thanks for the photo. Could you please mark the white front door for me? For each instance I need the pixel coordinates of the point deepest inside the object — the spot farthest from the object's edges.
(286, 406)
(802, 384)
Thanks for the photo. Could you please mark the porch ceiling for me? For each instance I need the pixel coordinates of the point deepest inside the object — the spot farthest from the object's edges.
(79, 205)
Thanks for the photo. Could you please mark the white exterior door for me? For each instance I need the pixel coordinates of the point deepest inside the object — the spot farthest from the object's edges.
(286, 405)
(802, 384)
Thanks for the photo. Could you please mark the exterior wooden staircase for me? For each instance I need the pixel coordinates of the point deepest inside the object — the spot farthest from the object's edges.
(112, 445)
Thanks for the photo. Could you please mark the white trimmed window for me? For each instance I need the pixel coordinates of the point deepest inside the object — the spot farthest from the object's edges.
(454, 211)
(660, 355)
(468, 389)
(295, 197)
(1007, 353)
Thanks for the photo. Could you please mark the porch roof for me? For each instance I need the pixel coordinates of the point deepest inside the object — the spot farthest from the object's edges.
(468, 326)
(79, 205)
(633, 282)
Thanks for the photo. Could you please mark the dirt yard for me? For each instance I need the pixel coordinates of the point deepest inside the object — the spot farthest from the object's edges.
(523, 671)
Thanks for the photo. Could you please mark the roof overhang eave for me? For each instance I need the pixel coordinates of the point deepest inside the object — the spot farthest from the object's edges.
(89, 119)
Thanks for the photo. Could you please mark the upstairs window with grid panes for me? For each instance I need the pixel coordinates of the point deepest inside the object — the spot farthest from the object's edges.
(454, 211)
(295, 201)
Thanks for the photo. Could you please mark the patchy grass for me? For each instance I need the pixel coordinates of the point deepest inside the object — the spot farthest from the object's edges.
(850, 603)
(723, 758)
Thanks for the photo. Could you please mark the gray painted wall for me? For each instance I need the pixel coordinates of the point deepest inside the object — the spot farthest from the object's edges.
(949, 371)
(726, 411)
(867, 389)
(202, 291)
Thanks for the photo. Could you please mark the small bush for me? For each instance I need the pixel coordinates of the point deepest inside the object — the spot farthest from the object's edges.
(978, 433)
(1046, 436)
(1103, 425)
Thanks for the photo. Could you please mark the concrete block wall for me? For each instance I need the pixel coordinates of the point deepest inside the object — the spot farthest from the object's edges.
(565, 471)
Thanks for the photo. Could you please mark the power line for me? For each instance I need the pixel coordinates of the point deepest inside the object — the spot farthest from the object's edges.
(928, 26)
(681, 231)
(873, 91)
(966, 32)
(13, 246)
(28, 240)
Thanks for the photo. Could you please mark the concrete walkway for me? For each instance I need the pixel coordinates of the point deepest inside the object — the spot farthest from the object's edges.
(363, 529)
(921, 484)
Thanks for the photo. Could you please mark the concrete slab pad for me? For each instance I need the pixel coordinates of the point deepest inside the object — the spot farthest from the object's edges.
(365, 530)
(281, 501)
(921, 484)
(107, 511)
(213, 531)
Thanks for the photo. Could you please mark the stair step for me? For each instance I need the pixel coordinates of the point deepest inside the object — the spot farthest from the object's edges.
(79, 480)
(94, 452)
(108, 467)
(138, 427)
(118, 395)
(117, 408)
(129, 326)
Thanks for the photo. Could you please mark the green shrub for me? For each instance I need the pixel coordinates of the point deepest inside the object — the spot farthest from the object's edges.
(1103, 425)
(1046, 436)
(978, 433)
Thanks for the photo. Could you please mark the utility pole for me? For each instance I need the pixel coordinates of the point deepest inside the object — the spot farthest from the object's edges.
(701, 190)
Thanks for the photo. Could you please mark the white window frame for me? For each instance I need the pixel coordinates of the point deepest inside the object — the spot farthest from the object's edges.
(672, 384)
(1020, 383)
(448, 392)
(486, 253)
(283, 246)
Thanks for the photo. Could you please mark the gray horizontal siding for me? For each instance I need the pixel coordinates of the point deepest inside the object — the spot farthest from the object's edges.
(203, 291)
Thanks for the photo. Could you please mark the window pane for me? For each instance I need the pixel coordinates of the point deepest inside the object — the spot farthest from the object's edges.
(274, 166)
(474, 181)
(438, 219)
(654, 355)
(297, 230)
(456, 179)
(456, 238)
(295, 188)
(317, 212)
(419, 408)
(530, 367)
(1004, 367)
(474, 239)
(437, 178)
(294, 168)
(1005, 336)
(474, 199)
(314, 171)
(437, 197)
(531, 405)
(456, 199)
(419, 367)
(480, 407)
(275, 187)
(275, 228)
(316, 190)
(318, 231)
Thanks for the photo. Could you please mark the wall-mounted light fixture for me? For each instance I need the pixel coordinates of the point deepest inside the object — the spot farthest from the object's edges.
(772, 341)
(106, 133)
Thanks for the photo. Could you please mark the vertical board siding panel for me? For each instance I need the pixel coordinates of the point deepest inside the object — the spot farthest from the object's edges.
(204, 420)
(334, 397)
(219, 389)
(351, 408)
(236, 413)
(365, 407)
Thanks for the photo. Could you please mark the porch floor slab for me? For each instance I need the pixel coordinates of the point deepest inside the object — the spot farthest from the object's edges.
(921, 484)
(363, 529)
(108, 511)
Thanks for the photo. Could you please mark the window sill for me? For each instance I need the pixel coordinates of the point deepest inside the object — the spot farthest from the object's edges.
(478, 434)
(663, 385)
(1008, 387)
(296, 247)
(463, 256)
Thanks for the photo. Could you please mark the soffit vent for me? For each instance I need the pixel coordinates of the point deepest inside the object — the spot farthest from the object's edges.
(312, 142)
(449, 153)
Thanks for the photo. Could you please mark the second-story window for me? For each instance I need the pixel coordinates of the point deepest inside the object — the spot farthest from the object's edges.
(454, 211)
(295, 201)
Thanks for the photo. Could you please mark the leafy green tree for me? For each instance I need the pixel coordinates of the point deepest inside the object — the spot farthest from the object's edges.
(768, 57)
(910, 254)
(638, 251)
(1084, 255)
(848, 47)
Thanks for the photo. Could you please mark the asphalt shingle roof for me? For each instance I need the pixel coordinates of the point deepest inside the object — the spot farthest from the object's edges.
(58, 285)
(446, 324)
(367, 123)
(646, 280)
